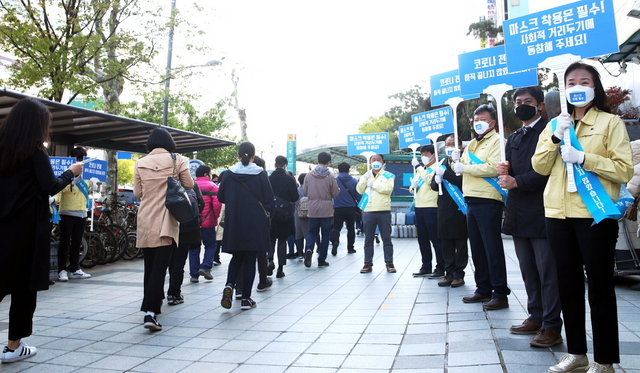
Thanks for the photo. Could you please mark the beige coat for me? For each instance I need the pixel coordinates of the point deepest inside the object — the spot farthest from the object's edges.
(156, 226)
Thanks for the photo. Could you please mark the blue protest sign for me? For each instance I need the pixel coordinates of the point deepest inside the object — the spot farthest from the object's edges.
(193, 166)
(406, 136)
(487, 67)
(60, 164)
(445, 86)
(583, 28)
(368, 142)
(95, 168)
(430, 125)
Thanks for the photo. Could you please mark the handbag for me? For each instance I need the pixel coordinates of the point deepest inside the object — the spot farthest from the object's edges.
(282, 210)
(177, 201)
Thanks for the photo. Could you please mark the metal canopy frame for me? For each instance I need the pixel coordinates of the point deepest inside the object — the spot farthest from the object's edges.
(73, 126)
(627, 49)
(338, 155)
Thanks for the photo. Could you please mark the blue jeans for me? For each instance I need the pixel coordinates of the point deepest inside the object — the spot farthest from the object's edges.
(209, 241)
(317, 226)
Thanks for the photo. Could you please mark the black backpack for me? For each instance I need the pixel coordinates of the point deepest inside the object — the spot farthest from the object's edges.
(194, 223)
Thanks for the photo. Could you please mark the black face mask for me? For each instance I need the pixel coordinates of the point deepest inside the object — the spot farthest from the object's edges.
(526, 112)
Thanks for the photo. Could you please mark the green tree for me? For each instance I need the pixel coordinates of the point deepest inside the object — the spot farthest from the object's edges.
(485, 29)
(184, 115)
(125, 171)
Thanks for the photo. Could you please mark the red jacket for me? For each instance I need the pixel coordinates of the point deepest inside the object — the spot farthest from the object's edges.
(211, 212)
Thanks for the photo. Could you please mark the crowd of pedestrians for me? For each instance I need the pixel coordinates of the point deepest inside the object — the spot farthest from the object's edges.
(469, 194)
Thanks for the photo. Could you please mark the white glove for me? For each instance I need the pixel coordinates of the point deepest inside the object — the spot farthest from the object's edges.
(439, 171)
(571, 154)
(563, 124)
(414, 182)
(367, 176)
(51, 200)
(458, 168)
(438, 179)
(415, 162)
(370, 183)
(455, 155)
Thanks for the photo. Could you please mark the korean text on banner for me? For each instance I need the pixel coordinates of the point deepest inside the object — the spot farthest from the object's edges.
(368, 142)
(95, 168)
(583, 28)
(445, 86)
(430, 125)
(487, 67)
(406, 136)
(60, 164)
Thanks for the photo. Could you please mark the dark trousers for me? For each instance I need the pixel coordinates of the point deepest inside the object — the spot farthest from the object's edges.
(577, 244)
(484, 222)
(538, 268)
(427, 226)
(71, 231)
(280, 246)
(456, 256)
(262, 271)
(319, 226)
(347, 216)
(243, 262)
(176, 267)
(23, 305)
(156, 261)
(382, 220)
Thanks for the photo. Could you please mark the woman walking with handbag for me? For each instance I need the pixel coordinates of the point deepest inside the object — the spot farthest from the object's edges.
(245, 189)
(158, 230)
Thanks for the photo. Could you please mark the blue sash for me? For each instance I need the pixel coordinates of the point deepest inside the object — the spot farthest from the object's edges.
(84, 188)
(493, 181)
(365, 197)
(456, 195)
(590, 189)
(55, 215)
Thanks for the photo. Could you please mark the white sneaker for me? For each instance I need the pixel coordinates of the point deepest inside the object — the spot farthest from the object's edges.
(79, 274)
(22, 352)
(62, 276)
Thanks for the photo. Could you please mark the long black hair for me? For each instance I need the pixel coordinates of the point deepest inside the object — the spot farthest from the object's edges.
(600, 97)
(246, 150)
(24, 131)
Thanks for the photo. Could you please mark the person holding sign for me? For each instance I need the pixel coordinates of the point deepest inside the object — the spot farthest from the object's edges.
(26, 181)
(74, 202)
(452, 223)
(376, 187)
(524, 220)
(427, 214)
(582, 227)
(484, 214)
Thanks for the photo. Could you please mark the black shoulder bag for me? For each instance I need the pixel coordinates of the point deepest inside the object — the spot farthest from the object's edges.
(177, 201)
(258, 199)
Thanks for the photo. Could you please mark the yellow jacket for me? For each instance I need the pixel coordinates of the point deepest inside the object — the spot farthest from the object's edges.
(488, 150)
(379, 193)
(426, 196)
(72, 199)
(605, 141)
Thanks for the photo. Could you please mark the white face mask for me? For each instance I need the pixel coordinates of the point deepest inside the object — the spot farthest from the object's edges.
(426, 160)
(449, 150)
(376, 165)
(580, 95)
(481, 127)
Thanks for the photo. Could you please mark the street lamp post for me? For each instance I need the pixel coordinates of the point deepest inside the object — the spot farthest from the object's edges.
(167, 82)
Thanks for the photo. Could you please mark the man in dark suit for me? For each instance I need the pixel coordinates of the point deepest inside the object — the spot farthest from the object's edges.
(524, 220)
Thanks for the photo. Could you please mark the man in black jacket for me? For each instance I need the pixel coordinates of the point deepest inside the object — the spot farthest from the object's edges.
(524, 220)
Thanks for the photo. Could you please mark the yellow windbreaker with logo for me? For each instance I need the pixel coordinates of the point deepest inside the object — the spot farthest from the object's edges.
(488, 151)
(379, 194)
(605, 141)
(426, 196)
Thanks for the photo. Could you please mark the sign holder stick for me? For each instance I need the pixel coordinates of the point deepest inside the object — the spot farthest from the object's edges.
(558, 65)
(497, 91)
(453, 102)
(368, 155)
(414, 148)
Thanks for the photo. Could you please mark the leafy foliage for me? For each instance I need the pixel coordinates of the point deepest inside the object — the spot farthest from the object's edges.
(185, 116)
(125, 171)
(485, 29)
(616, 99)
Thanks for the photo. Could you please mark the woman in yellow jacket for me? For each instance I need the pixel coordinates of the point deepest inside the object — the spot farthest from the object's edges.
(580, 233)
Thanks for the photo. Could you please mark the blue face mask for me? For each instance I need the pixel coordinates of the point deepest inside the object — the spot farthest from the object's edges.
(376, 165)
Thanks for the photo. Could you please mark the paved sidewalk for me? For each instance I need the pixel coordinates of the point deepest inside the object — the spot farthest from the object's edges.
(313, 320)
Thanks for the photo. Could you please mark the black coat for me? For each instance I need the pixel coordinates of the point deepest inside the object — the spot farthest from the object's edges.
(524, 213)
(284, 186)
(246, 226)
(191, 237)
(452, 224)
(25, 227)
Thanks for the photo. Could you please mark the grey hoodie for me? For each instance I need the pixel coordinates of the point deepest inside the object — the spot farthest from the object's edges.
(321, 187)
